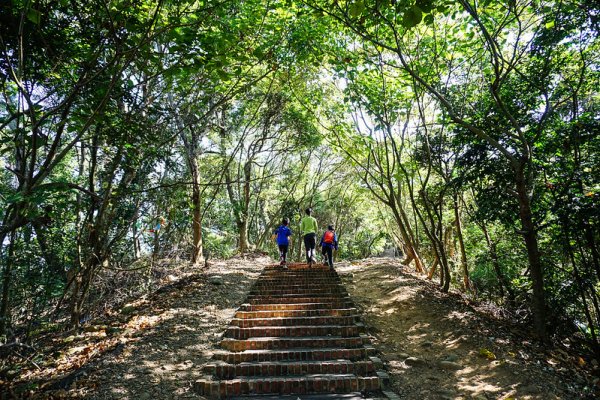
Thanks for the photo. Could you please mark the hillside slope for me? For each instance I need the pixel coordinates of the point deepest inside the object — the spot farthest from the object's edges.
(436, 346)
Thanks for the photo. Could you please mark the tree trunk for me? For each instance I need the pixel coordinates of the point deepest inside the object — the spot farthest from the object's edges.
(243, 220)
(74, 310)
(533, 254)
(197, 248)
(4, 305)
(433, 268)
(503, 283)
(49, 256)
(243, 232)
(463, 253)
(411, 252)
(197, 256)
(136, 240)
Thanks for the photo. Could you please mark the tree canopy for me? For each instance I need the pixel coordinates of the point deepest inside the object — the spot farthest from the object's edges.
(460, 135)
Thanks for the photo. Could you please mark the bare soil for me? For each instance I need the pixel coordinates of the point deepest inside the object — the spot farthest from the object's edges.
(434, 345)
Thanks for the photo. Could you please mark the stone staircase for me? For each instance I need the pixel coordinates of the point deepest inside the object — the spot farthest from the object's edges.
(297, 335)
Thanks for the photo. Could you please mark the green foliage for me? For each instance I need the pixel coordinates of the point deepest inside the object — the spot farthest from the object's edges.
(123, 128)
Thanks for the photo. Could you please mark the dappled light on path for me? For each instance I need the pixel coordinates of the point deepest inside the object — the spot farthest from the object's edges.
(180, 334)
(435, 346)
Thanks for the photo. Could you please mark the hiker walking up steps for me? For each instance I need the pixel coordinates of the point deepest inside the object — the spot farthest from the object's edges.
(329, 242)
(308, 227)
(282, 238)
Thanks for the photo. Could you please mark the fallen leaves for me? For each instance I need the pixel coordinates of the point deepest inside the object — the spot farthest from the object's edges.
(485, 353)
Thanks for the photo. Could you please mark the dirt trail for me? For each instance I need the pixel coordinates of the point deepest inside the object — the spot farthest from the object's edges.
(433, 344)
(437, 347)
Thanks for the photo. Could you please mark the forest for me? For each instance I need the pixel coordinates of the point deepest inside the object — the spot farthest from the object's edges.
(459, 135)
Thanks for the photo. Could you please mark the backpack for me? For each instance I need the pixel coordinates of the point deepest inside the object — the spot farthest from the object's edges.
(328, 237)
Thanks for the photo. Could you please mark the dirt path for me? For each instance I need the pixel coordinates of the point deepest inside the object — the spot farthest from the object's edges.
(437, 347)
(168, 357)
(433, 344)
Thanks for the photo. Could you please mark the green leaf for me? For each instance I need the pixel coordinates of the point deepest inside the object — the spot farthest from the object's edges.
(223, 75)
(425, 5)
(356, 8)
(381, 4)
(33, 16)
(412, 17)
(550, 24)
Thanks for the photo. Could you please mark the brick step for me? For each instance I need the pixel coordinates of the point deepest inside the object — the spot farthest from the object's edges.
(320, 396)
(335, 312)
(287, 291)
(299, 278)
(296, 306)
(309, 295)
(284, 368)
(301, 321)
(309, 384)
(326, 281)
(316, 269)
(294, 354)
(277, 343)
(296, 280)
(297, 300)
(308, 274)
(291, 289)
(236, 332)
(266, 282)
(299, 273)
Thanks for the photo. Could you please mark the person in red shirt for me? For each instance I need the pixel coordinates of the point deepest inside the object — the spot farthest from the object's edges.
(329, 242)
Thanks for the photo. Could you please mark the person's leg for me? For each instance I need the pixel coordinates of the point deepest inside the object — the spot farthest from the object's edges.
(307, 247)
(284, 250)
(330, 256)
(313, 244)
(324, 254)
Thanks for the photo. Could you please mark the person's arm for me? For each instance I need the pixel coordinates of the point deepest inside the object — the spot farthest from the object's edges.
(335, 241)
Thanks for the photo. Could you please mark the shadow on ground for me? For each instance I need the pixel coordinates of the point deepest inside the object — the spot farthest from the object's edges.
(437, 347)
(180, 331)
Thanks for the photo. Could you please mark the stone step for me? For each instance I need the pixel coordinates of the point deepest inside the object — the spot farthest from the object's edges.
(323, 283)
(298, 277)
(295, 306)
(295, 291)
(297, 282)
(295, 354)
(298, 333)
(299, 274)
(293, 321)
(277, 343)
(335, 312)
(284, 295)
(321, 396)
(334, 301)
(237, 332)
(222, 370)
(308, 384)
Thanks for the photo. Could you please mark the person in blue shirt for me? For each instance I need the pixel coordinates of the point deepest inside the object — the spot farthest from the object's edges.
(282, 238)
(329, 241)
